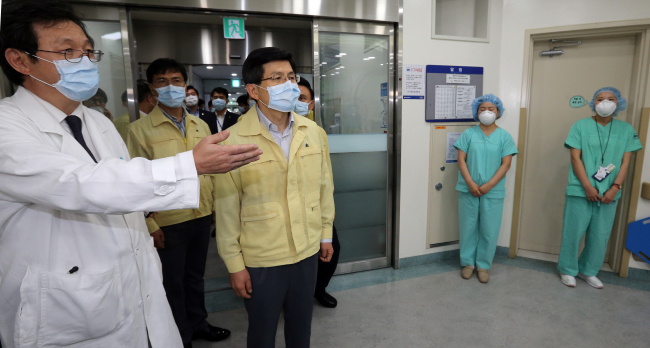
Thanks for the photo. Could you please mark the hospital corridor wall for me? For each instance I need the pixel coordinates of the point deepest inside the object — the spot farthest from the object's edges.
(503, 61)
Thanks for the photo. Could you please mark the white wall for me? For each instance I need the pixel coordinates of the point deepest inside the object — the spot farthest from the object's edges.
(419, 48)
(503, 61)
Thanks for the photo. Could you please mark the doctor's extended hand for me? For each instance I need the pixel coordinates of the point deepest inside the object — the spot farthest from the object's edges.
(474, 189)
(241, 283)
(592, 194)
(211, 158)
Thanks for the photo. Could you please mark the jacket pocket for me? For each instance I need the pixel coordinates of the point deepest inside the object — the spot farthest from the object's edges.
(167, 147)
(260, 177)
(310, 160)
(314, 217)
(77, 308)
(264, 234)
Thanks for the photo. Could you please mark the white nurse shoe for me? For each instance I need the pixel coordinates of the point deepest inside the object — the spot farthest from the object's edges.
(592, 281)
(568, 280)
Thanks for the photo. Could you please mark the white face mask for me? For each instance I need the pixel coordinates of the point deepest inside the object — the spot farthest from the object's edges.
(191, 100)
(606, 108)
(487, 117)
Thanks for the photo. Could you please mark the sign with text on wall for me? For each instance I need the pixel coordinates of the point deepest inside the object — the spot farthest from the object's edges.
(413, 81)
(450, 91)
(233, 28)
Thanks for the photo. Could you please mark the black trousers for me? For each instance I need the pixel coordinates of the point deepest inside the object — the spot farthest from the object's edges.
(326, 269)
(287, 288)
(183, 267)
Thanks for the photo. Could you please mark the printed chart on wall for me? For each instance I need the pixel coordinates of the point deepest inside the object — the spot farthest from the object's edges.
(450, 91)
(452, 152)
(413, 81)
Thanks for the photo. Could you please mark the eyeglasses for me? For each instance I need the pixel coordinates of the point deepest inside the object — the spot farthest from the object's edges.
(276, 79)
(75, 56)
(163, 82)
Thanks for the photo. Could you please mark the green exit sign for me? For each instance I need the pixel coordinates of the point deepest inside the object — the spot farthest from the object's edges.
(235, 83)
(233, 28)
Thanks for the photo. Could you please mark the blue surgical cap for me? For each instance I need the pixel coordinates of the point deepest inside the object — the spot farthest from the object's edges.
(488, 98)
(620, 106)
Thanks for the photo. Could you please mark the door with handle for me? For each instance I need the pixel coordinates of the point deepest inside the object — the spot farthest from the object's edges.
(442, 224)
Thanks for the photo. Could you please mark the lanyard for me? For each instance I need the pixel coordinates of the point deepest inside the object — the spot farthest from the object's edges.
(219, 123)
(602, 152)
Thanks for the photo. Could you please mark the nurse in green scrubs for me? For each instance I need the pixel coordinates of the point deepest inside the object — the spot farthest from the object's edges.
(484, 155)
(600, 154)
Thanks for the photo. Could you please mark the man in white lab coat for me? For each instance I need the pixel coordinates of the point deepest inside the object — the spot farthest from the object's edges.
(76, 266)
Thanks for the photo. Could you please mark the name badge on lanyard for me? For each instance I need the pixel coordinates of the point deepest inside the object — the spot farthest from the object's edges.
(603, 172)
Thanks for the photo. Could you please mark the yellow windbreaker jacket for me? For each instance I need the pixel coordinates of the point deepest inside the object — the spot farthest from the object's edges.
(275, 212)
(155, 136)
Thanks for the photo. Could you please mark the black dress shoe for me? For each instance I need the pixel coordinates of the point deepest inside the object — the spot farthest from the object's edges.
(211, 333)
(326, 300)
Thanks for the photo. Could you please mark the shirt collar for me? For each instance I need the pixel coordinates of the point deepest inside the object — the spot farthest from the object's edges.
(270, 125)
(189, 111)
(173, 118)
(56, 113)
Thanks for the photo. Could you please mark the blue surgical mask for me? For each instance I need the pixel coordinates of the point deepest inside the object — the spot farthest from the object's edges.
(219, 104)
(242, 110)
(171, 96)
(302, 108)
(282, 97)
(78, 81)
(251, 103)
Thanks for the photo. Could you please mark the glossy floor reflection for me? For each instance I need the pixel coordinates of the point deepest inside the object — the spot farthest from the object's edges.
(524, 305)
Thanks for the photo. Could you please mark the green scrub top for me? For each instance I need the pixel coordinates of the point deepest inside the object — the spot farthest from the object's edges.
(484, 156)
(584, 136)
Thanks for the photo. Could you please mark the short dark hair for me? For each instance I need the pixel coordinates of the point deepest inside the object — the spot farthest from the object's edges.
(219, 90)
(242, 100)
(165, 65)
(101, 94)
(201, 102)
(194, 88)
(143, 90)
(124, 98)
(253, 69)
(17, 29)
(306, 84)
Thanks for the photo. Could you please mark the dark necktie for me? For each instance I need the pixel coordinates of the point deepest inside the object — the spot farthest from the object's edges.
(75, 126)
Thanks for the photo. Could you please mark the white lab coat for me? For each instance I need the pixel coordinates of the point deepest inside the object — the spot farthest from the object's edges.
(58, 210)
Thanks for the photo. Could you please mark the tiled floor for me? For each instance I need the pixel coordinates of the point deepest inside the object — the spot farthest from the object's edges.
(524, 305)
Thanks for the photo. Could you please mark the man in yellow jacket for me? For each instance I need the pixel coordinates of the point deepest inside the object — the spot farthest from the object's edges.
(275, 217)
(181, 236)
(146, 103)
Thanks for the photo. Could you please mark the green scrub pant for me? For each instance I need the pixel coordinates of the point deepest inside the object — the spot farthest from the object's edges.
(580, 216)
(479, 222)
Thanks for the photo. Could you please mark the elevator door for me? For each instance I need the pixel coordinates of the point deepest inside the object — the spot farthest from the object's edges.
(353, 77)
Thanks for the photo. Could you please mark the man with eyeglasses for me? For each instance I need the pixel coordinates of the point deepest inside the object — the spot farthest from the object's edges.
(181, 236)
(274, 218)
(77, 266)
